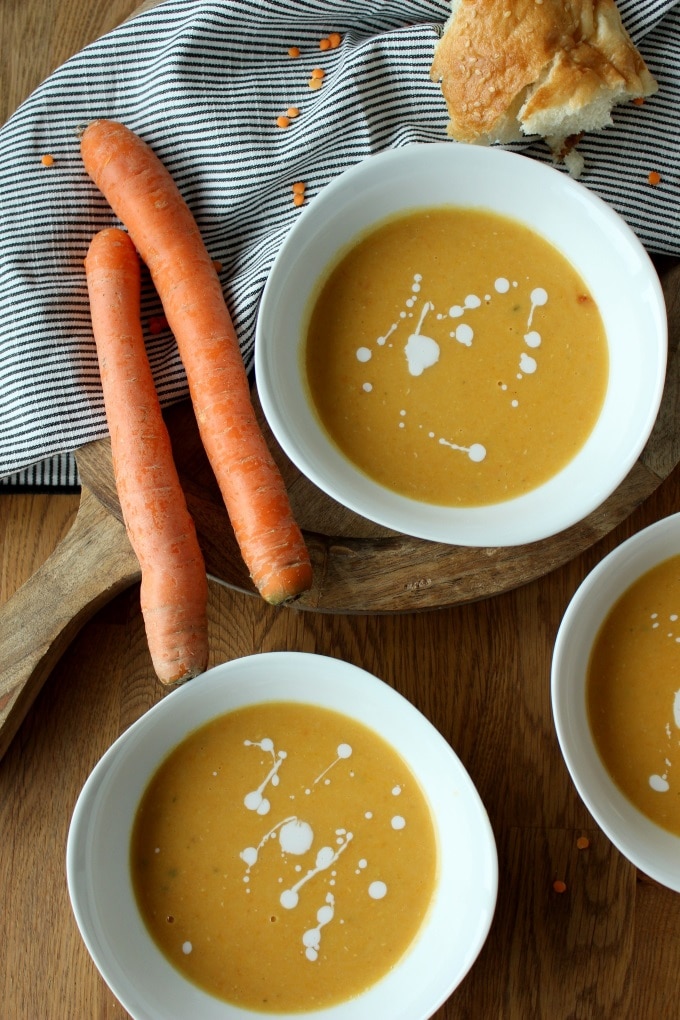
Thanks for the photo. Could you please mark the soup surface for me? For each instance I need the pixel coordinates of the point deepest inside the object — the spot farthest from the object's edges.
(633, 694)
(456, 357)
(283, 857)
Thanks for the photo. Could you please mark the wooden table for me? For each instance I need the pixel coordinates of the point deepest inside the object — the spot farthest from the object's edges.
(607, 947)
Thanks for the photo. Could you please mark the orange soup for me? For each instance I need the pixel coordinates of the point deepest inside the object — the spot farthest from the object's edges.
(456, 357)
(284, 857)
(633, 694)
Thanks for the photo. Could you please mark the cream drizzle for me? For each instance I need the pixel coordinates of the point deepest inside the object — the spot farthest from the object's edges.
(422, 352)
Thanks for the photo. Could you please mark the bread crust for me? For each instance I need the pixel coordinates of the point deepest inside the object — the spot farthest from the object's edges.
(555, 68)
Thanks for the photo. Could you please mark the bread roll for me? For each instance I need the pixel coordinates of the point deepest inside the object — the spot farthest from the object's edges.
(554, 68)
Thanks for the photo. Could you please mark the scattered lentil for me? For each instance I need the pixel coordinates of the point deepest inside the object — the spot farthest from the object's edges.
(324, 44)
(298, 190)
(583, 843)
(318, 72)
(559, 886)
(654, 177)
(282, 122)
(334, 39)
(47, 160)
(157, 324)
(315, 83)
(293, 51)
(292, 112)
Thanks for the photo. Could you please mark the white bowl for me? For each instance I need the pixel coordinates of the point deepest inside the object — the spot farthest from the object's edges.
(597, 242)
(652, 849)
(98, 871)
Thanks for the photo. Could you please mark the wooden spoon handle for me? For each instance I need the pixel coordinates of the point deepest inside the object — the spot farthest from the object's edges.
(89, 567)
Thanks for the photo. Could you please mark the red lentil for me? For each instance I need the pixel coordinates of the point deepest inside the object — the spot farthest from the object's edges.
(47, 160)
(654, 177)
(157, 324)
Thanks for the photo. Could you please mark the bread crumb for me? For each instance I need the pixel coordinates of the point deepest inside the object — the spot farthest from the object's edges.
(574, 163)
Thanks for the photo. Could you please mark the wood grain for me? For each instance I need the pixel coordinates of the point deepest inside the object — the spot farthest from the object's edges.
(607, 949)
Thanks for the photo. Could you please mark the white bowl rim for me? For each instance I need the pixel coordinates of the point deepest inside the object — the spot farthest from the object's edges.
(630, 831)
(551, 508)
(455, 793)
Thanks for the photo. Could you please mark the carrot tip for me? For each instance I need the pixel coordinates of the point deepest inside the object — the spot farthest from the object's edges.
(288, 584)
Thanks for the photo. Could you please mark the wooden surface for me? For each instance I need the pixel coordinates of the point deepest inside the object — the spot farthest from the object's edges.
(608, 947)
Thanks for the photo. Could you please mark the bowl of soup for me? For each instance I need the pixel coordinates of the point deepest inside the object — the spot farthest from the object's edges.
(461, 344)
(288, 836)
(616, 697)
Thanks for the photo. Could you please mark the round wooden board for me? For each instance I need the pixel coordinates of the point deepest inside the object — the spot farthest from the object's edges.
(362, 568)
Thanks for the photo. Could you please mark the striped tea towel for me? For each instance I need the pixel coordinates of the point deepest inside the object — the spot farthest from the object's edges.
(203, 81)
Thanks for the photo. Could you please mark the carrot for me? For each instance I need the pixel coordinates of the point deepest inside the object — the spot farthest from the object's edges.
(145, 198)
(174, 588)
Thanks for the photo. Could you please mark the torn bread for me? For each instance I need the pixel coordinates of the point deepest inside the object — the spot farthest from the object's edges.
(554, 68)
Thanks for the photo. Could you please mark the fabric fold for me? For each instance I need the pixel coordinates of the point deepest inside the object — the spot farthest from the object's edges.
(203, 83)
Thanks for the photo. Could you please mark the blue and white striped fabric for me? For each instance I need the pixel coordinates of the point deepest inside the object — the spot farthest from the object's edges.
(203, 83)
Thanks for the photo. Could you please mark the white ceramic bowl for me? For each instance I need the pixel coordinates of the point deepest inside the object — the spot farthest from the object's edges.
(98, 873)
(650, 848)
(588, 232)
